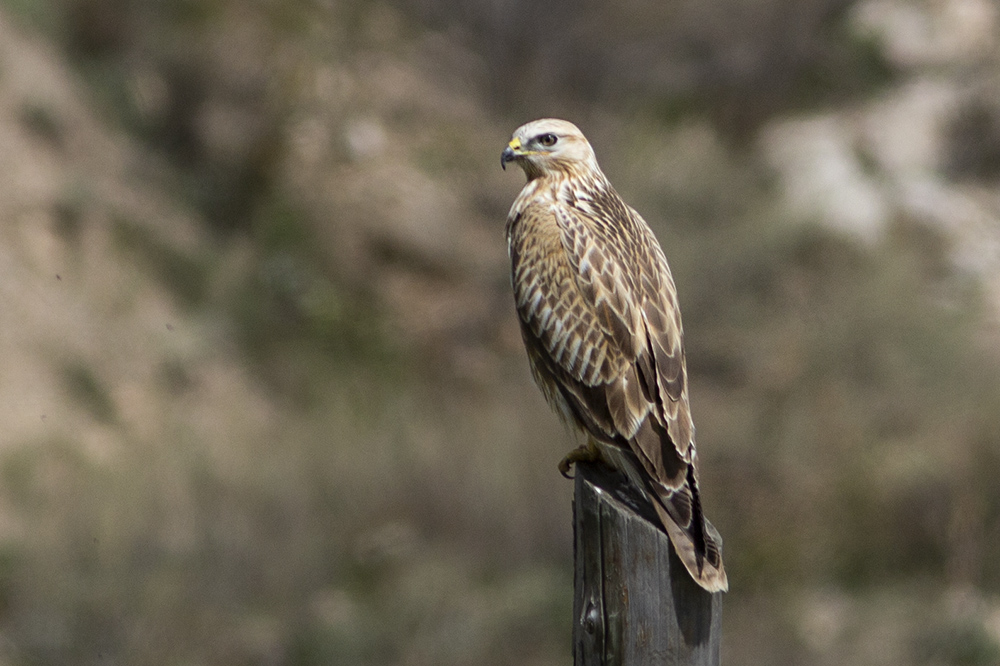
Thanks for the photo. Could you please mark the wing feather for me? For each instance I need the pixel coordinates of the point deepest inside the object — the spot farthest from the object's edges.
(605, 313)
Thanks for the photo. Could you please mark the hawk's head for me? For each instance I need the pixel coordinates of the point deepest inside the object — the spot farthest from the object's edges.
(548, 146)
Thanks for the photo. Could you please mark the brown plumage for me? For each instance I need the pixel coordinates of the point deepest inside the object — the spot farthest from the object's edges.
(600, 323)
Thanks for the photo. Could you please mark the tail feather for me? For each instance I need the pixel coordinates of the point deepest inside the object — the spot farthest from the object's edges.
(697, 543)
(698, 547)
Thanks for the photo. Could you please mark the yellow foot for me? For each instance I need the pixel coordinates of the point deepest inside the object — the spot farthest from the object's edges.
(586, 453)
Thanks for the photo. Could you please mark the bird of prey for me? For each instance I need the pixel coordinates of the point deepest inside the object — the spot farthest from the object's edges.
(600, 322)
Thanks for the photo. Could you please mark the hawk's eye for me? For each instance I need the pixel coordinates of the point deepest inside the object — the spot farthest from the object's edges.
(548, 140)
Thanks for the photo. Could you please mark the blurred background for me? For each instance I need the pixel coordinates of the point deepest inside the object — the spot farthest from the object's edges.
(264, 400)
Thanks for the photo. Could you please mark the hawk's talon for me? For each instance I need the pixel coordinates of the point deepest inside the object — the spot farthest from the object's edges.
(586, 453)
(564, 466)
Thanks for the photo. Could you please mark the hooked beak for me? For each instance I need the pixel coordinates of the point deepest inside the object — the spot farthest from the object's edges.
(510, 153)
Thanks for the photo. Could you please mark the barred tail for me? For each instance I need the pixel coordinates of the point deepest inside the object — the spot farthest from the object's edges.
(695, 540)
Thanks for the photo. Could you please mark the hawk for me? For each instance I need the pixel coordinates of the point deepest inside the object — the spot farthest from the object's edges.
(602, 329)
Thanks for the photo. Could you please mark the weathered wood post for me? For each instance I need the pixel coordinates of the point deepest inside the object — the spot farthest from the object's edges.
(634, 603)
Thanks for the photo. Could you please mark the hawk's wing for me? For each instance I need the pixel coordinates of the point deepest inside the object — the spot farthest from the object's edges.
(601, 325)
(661, 318)
(597, 304)
(579, 333)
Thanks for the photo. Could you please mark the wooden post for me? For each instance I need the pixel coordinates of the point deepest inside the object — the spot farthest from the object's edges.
(634, 603)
